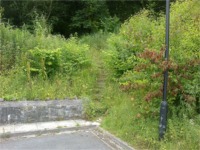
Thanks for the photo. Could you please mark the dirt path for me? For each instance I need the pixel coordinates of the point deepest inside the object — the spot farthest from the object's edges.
(101, 76)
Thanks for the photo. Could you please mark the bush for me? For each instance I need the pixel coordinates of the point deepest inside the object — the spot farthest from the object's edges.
(47, 54)
(136, 57)
(68, 60)
(29, 62)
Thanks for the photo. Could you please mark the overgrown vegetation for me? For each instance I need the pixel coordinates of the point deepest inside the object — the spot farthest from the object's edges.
(136, 58)
(42, 66)
(119, 71)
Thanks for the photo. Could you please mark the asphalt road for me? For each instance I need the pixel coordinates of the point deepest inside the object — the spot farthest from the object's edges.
(78, 140)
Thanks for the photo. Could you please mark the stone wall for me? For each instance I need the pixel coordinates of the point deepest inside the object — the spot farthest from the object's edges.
(39, 111)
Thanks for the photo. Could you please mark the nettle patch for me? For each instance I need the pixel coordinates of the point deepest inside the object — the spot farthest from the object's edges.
(48, 62)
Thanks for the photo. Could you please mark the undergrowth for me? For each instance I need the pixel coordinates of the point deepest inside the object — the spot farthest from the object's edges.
(41, 66)
(124, 119)
(16, 87)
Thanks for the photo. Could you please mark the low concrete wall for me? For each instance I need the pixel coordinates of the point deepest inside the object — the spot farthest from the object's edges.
(39, 111)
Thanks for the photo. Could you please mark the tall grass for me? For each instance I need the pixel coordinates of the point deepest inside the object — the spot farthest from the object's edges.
(27, 58)
(124, 119)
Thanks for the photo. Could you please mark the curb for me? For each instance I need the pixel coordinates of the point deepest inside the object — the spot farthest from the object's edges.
(15, 130)
(111, 140)
(8, 135)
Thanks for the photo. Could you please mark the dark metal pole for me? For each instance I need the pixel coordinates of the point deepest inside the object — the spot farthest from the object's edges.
(164, 106)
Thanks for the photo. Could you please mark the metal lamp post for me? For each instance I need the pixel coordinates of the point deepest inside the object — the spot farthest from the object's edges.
(164, 106)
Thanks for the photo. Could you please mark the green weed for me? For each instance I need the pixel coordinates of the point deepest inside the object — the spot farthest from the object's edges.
(124, 118)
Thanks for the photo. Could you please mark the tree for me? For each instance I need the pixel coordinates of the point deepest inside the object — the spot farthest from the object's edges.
(90, 15)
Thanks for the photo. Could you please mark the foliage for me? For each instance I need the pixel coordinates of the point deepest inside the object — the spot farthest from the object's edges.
(123, 47)
(110, 24)
(29, 62)
(40, 25)
(15, 85)
(135, 57)
(68, 17)
(68, 59)
(125, 119)
(55, 51)
(96, 41)
(141, 70)
(90, 15)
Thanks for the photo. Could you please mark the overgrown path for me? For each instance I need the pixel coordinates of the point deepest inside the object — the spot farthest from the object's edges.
(101, 75)
(97, 43)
